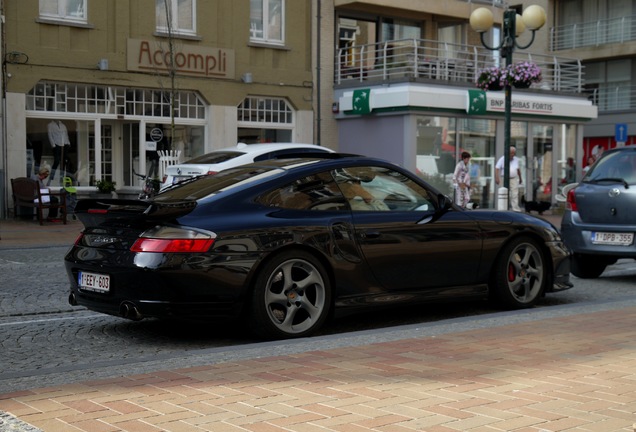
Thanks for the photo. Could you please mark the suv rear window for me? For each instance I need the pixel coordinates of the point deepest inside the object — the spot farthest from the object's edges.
(614, 165)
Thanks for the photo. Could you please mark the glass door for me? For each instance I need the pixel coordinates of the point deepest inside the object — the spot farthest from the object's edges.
(542, 162)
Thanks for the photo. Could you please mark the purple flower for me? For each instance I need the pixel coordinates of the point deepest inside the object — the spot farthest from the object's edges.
(520, 72)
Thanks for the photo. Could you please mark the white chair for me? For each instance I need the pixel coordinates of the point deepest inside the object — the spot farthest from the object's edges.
(167, 158)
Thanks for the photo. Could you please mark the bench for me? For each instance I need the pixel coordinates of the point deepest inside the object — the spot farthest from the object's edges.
(27, 193)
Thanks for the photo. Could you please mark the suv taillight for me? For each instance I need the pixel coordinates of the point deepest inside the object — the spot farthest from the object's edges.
(570, 203)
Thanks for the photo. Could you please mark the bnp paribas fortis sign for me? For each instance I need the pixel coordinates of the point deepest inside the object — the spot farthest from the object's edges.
(155, 57)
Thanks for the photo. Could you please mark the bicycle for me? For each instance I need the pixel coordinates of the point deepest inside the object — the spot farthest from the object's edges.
(150, 186)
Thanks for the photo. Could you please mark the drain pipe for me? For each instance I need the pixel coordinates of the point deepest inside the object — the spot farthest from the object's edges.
(318, 74)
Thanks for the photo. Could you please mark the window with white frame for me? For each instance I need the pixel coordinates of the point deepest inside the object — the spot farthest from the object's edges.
(265, 119)
(65, 10)
(267, 21)
(176, 16)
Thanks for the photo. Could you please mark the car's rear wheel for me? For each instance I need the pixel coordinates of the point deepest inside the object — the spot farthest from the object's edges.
(520, 274)
(292, 296)
(587, 266)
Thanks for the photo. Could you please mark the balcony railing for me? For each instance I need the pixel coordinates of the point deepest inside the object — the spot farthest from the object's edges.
(593, 33)
(422, 59)
(613, 97)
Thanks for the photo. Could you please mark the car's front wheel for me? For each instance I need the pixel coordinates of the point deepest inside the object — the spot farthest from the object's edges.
(587, 266)
(292, 296)
(519, 275)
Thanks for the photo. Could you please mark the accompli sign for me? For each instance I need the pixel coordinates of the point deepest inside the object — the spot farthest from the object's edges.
(155, 57)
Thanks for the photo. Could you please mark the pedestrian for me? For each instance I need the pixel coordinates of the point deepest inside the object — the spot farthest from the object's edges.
(570, 171)
(41, 176)
(515, 178)
(461, 180)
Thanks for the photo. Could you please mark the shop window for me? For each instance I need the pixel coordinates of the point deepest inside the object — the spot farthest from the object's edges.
(78, 98)
(176, 16)
(267, 21)
(265, 120)
(64, 10)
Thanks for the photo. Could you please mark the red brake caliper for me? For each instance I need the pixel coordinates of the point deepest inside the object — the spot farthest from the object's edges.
(511, 272)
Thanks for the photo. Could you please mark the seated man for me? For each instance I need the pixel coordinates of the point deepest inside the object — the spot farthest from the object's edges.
(358, 196)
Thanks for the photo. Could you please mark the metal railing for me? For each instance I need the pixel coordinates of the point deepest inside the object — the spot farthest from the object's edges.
(593, 33)
(613, 97)
(423, 59)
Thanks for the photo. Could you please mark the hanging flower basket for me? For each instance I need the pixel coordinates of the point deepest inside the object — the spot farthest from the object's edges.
(519, 75)
(524, 74)
(492, 78)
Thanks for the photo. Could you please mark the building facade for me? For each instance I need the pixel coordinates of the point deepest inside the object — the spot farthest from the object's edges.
(118, 81)
(121, 80)
(415, 65)
(602, 33)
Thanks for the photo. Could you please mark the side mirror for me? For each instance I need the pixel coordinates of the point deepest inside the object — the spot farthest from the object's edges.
(444, 202)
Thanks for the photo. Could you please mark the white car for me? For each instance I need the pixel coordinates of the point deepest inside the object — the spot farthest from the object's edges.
(229, 157)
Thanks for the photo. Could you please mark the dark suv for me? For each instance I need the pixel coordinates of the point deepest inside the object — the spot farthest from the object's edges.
(600, 216)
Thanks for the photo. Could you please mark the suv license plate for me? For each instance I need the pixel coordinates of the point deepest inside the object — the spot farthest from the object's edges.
(93, 282)
(608, 238)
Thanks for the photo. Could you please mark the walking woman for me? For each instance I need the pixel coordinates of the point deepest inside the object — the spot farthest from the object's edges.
(461, 180)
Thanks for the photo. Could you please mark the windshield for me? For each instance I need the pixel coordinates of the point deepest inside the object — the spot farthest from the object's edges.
(620, 165)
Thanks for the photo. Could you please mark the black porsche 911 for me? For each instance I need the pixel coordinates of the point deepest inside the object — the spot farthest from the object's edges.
(286, 243)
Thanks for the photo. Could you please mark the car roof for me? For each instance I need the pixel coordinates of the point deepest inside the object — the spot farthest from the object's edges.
(266, 147)
(262, 174)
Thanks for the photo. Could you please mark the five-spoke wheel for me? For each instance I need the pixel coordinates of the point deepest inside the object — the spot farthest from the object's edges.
(292, 296)
(520, 274)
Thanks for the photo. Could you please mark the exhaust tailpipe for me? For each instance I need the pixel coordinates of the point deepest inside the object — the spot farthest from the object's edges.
(129, 311)
(72, 300)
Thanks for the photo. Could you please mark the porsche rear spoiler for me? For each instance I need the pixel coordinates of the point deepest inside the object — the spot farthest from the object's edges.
(92, 212)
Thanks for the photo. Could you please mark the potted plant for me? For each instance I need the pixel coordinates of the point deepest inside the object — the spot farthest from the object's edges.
(105, 187)
(519, 75)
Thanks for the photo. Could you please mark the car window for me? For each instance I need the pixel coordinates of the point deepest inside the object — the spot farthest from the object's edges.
(615, 165)
(382, 189)
(314, 192)
(214, 157)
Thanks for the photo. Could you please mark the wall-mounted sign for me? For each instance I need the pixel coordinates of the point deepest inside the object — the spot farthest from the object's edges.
(153, 56)
(156, 134)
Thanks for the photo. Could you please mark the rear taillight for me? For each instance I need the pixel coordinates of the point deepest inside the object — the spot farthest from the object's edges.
(163, 180)
(570, 203)
(174, 240)
(212, 172)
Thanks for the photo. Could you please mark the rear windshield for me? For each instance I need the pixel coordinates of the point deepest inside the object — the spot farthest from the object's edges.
(201, 187)
(204, 186)
(614, 165)
(214, 157)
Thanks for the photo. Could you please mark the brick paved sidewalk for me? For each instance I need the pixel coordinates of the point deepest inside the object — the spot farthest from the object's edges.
(574, 373)
(15, 233)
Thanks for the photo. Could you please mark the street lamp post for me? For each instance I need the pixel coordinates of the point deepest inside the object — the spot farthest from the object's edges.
(481, 20)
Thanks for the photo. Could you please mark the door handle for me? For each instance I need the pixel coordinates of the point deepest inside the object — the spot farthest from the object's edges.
(370, 234)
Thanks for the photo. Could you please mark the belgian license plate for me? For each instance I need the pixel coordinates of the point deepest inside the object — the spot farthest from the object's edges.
(93, 282)
(608, 238)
